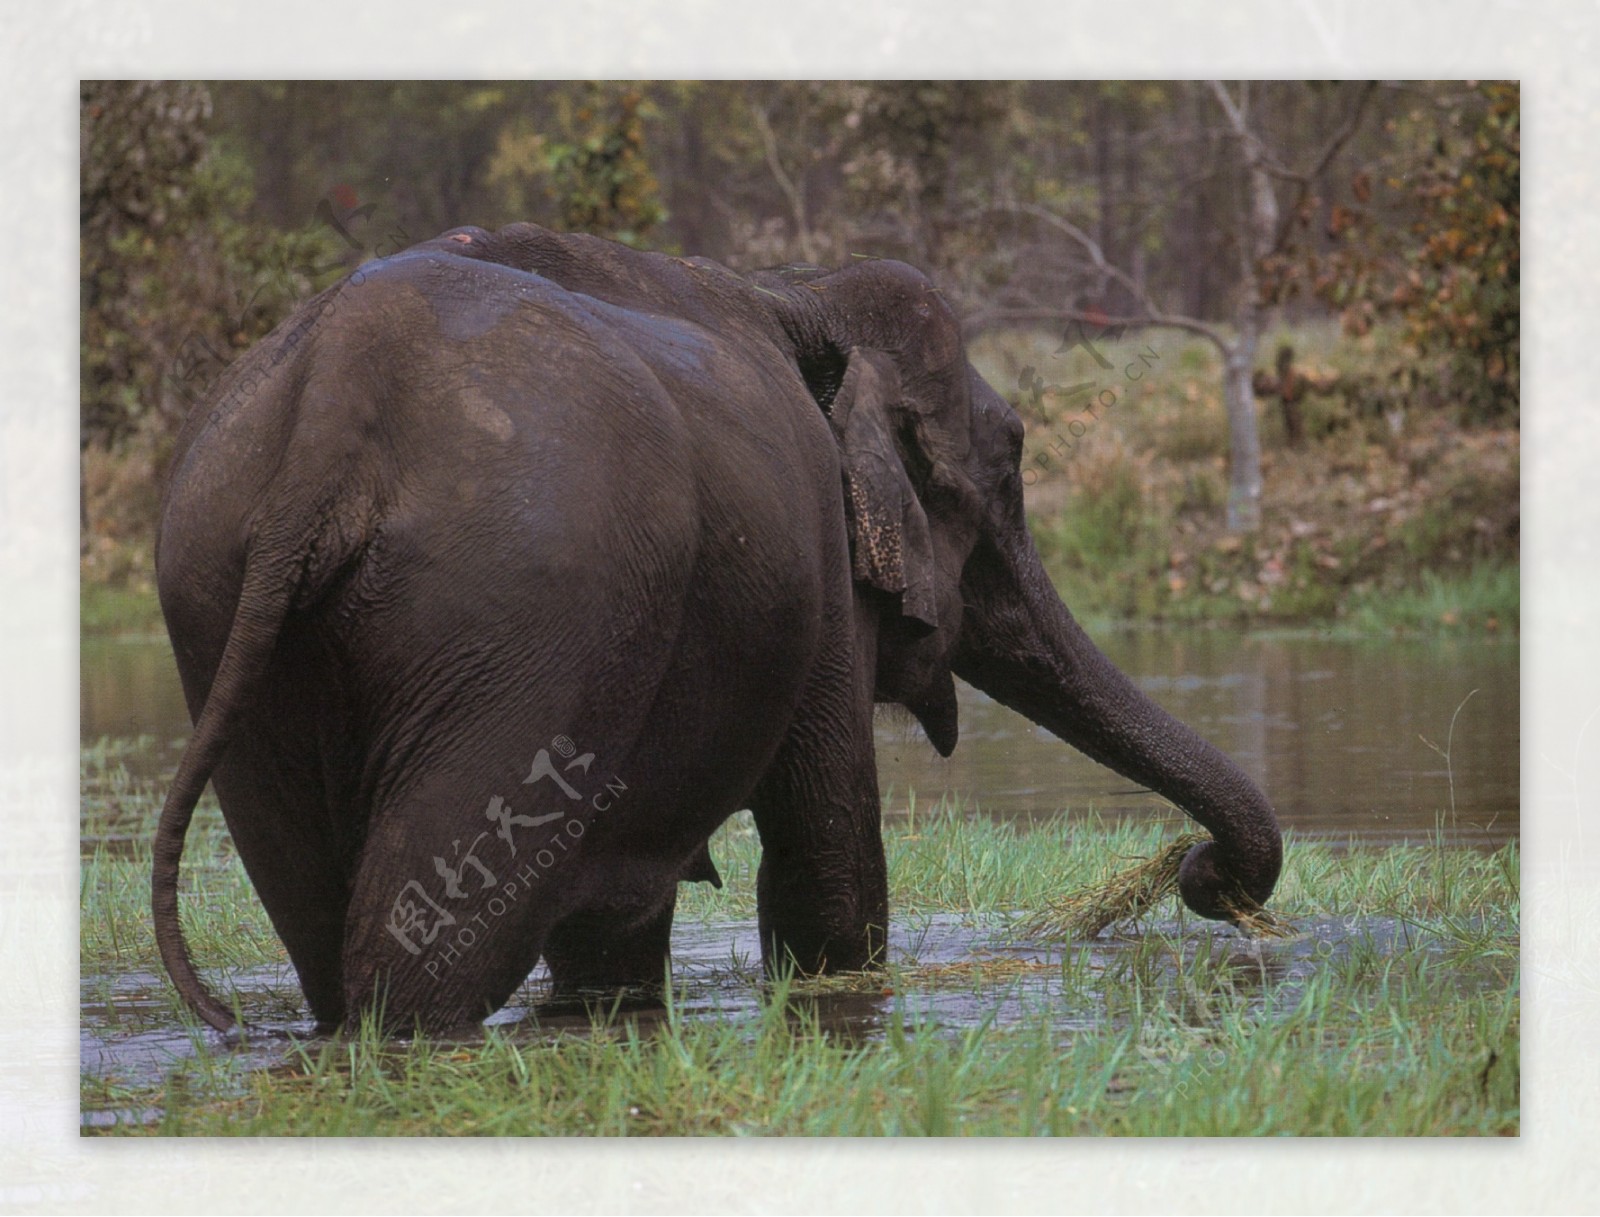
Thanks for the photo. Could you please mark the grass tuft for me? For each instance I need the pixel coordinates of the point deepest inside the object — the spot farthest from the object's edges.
(1128, 893)
(1119, 897)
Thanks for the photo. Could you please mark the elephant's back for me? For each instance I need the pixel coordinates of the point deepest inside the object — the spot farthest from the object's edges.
(526, 513)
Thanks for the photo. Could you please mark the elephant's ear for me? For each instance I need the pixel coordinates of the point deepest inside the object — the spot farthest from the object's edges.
(889, 541)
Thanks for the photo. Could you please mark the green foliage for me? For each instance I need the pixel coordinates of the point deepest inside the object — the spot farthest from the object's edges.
(1305, 595)
(1485, 596)
(106, 607)
(910, 136)
(1107, 515)
(1104, 547)
(583, 169)
(140, 144)
(603, 180)
(1195, 433)
(1434, 241)
(176, 280)
(1464, 286)
(1203, 492)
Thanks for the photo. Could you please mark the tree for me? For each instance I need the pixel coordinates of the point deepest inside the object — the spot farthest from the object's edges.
(175, 279)
(1257, 230)
(603, 181)
(1466, 278)
(1428, 234)
(140, 143)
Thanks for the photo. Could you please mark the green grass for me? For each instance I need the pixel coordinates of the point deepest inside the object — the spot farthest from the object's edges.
(1444, 603)
(108, 610)
(1105, 549)
(1328, 1066)
(948, 860)
(1157, 1032)
(226, 924)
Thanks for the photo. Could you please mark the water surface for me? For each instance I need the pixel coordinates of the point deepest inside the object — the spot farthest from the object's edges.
(1337, 732)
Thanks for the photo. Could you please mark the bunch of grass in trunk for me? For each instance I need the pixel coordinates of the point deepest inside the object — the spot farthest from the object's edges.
(1127, 894)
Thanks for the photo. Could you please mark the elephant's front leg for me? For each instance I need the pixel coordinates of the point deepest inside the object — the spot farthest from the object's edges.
(823, 889)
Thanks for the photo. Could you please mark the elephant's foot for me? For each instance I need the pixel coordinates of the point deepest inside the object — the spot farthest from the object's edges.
(803, 938)
(597, 967)
(823, 909)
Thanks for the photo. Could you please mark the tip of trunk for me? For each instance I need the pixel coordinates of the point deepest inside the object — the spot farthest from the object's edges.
(1222, 892)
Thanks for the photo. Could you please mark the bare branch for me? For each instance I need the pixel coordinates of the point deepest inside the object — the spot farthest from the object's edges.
(797, 202)
(1046, 312)
(1230, 108)
(1325, 158)
(1257, 155)
(1259, 159)
(1090, 245)
(1154, 314)
(1344, 133)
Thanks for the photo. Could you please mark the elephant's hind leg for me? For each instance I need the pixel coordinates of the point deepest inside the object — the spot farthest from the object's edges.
(446, 916)
(277, 818)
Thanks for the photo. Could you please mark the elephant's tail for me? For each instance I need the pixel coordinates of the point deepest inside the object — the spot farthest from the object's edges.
(263, 604)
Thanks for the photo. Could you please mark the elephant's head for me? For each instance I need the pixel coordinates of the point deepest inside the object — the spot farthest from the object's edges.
(933, 489)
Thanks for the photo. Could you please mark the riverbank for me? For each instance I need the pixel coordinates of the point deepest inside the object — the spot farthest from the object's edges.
(1380, 520)
(1476, 601)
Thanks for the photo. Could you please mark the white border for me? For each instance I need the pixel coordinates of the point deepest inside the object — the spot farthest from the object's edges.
(1551, 47)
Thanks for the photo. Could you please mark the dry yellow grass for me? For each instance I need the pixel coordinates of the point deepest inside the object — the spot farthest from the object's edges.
(1128, 893)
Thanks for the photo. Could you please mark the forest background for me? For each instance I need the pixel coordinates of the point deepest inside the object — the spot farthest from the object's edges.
(1265, 336)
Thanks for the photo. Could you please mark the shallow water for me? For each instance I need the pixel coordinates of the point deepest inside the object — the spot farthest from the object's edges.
(1329, 727)
(948, 975)
(129, 1036)
(1336, 731)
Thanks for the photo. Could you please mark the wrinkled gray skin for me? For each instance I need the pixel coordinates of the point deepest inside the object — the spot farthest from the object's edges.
(507, 487)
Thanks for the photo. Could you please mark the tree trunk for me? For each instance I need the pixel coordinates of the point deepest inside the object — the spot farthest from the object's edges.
(1238, 370)
(1244, 442)
(1257, 230)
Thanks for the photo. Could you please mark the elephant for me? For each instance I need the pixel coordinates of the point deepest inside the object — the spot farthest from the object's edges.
(507, 569)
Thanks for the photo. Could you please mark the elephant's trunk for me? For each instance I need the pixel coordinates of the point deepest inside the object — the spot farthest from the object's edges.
(1021, 646)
